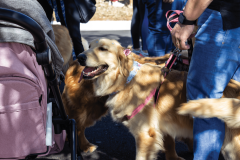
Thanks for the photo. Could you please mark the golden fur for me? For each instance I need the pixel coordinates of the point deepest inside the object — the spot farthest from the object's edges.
(226, 109)
(64, 43)
(78, 98)
(80, 102)
(154, 128)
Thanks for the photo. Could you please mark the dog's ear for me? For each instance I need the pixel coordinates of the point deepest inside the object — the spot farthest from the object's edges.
(123, 61)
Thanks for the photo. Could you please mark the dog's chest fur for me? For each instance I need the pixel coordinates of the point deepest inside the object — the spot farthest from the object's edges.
(124, 102)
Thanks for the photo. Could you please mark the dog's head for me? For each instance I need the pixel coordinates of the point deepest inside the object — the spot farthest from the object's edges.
(103, 61)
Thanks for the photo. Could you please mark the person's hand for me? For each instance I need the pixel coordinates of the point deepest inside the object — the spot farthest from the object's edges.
(168, 1)
(180, 34)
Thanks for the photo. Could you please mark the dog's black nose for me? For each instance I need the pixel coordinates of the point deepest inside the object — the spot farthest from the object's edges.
(82, 59)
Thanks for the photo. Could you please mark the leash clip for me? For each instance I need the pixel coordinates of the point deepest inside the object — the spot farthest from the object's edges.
(172, 58)
(176, 51)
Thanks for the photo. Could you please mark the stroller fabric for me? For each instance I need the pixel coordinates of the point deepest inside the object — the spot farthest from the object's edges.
(23, 104)
(10, 32)
(23, 87)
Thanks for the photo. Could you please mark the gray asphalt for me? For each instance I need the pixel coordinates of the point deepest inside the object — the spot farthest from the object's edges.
(114, 141)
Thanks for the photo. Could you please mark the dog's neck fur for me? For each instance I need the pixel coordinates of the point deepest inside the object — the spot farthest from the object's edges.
(131, 95)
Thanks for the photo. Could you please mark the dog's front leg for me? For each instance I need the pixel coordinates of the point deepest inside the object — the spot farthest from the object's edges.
(147, 145)
(83, 142)
(170, 152)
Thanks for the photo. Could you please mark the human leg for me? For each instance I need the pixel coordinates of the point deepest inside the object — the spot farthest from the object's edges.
(214, 62)
(145, 30)
(135, 23)
(159, 38)
(47, 8)
(73, 24)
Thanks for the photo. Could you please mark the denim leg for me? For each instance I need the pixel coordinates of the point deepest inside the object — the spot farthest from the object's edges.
(159, 38)
(135, 23)
(73, 24)
(214, 62)
(145, 30)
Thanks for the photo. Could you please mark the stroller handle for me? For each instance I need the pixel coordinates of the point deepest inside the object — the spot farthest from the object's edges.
(29, 24)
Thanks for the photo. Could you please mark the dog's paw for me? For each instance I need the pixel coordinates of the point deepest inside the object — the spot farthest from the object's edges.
(89, 148)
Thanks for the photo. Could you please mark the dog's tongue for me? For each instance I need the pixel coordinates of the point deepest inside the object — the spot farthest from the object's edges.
(80, 77)
(89, 69)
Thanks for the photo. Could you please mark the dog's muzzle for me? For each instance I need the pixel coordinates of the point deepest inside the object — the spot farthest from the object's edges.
(82, 59)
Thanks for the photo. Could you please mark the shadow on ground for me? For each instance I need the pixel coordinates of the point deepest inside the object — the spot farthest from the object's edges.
(114, 142)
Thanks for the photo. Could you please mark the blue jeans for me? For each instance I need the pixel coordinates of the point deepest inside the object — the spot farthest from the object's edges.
(215, 60)
(159, 37)
(139, 25)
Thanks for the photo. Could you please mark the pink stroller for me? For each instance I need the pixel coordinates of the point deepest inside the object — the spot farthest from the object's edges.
(33, 121)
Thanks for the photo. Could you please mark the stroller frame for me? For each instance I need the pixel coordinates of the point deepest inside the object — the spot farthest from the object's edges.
(60, 119)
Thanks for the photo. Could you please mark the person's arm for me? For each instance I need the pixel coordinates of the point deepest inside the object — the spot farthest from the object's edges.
(180, 32)
(194, 8)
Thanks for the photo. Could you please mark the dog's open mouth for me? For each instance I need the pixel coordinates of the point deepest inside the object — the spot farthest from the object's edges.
(90, 72)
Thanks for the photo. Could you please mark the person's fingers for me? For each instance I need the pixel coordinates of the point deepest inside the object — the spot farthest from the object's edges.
(177, 43)
(181, 34)
(173, 38)
(183, 45)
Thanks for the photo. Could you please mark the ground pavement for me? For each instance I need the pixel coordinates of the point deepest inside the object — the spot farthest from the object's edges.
(114, 141)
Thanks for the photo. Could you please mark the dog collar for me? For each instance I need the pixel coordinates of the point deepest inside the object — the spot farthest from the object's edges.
(136, 67)
(127, 52)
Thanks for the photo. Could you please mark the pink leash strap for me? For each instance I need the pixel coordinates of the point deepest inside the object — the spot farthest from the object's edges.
(169, 60)
(127, 52)
(140, 107)
(173, 18)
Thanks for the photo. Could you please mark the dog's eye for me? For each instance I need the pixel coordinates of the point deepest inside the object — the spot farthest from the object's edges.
(102, 49)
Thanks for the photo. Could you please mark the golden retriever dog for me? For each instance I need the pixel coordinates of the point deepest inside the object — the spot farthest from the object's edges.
(155, 125)
(80, 102)
(226, 109)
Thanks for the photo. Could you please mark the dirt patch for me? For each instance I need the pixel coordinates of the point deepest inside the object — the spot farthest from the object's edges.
(108, 12)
